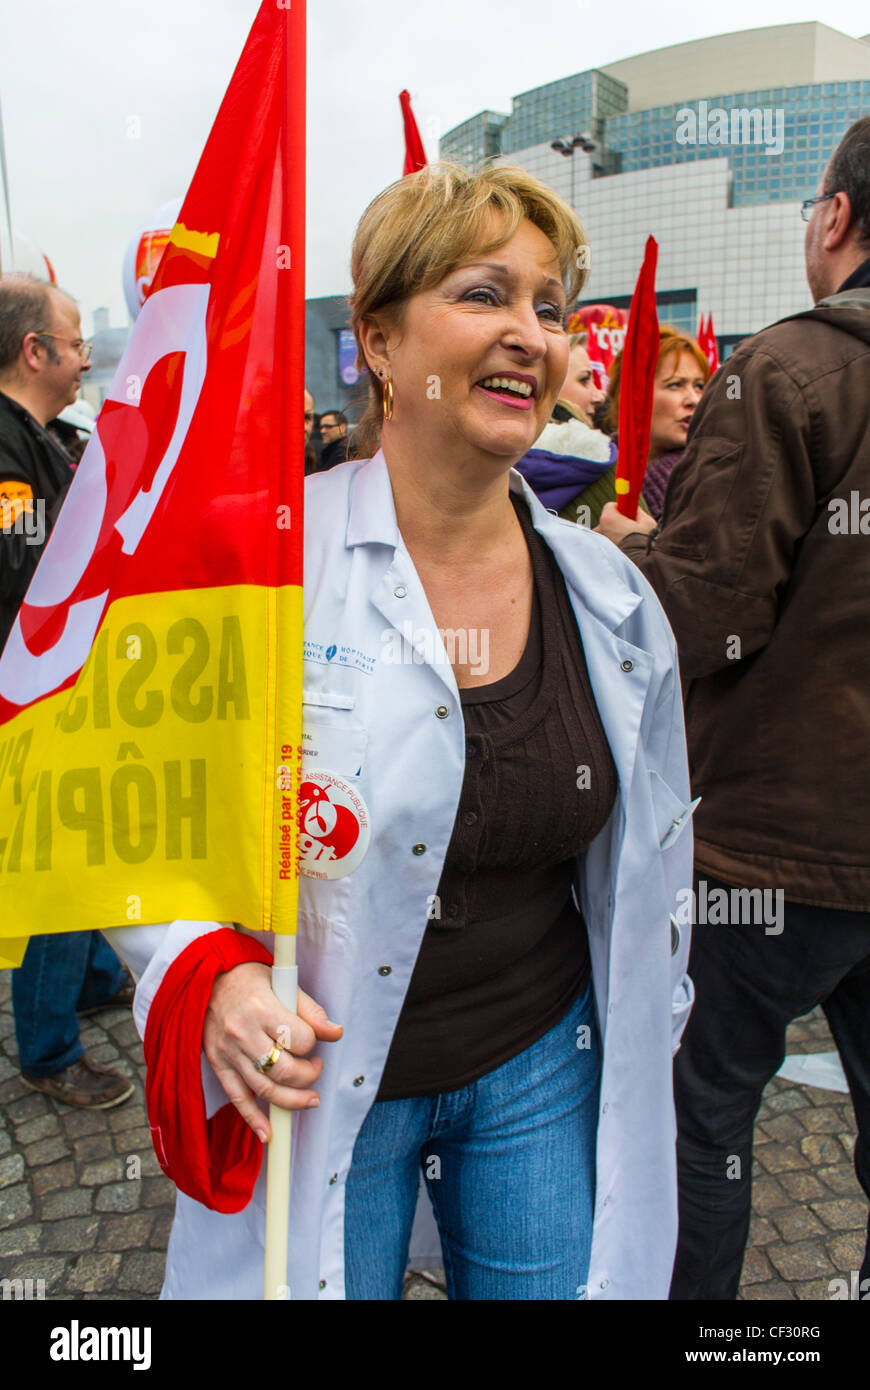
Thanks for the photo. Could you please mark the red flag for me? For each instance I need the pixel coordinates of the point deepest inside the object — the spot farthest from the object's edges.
(710, 346)
(141, 694)
(637, 379)
(415, 155)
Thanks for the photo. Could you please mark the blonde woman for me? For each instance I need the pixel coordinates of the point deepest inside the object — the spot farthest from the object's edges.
(496, 803)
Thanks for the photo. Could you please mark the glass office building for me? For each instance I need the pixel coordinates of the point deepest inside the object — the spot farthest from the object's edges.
(477, 140)
(813, 120)
(579, 103)
(710, 146)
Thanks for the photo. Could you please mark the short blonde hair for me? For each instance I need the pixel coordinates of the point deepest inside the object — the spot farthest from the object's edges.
(419, 229)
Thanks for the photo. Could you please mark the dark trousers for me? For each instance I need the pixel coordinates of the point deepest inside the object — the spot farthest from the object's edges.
(749, 986)
(60, 973)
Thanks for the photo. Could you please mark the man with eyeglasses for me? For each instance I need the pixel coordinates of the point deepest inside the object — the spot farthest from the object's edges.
(762, 563)
(333, 432)
(42, 358)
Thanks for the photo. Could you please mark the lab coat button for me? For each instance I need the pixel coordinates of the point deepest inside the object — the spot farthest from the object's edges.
(605, 1107)
(358, 1080)
(628, 665)
(400, 591)
(322, 1284)
(605, 1283)
(333, 1179)
(442, 711)
(419, 849)
(385, 970)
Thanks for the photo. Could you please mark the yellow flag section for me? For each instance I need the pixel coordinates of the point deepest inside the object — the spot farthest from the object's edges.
(164, 784)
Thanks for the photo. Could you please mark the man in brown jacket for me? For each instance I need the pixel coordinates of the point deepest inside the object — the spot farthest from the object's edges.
(762, 562)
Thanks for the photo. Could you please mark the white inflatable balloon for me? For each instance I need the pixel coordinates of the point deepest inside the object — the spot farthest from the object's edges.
(143, 253)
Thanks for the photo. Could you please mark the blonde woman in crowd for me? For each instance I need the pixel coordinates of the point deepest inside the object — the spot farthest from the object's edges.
(494, 985)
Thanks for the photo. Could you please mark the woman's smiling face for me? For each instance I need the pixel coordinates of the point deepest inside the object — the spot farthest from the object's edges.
(478, 360)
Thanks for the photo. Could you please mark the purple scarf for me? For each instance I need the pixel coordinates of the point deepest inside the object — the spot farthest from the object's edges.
(655, 484)
(556, 479)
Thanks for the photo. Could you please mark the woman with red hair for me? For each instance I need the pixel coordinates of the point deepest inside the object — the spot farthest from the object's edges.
(681, 375)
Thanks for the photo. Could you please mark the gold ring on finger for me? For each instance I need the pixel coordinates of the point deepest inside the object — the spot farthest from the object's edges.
(268, 1060)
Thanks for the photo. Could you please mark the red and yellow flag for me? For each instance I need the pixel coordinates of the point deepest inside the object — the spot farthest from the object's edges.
(150, 690)
(637, 385)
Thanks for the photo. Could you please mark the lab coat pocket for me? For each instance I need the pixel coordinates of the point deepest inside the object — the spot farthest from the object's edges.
(681, 1006)
(333, 739)
(672, 814)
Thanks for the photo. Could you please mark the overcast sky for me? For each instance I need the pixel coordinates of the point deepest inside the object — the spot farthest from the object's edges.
(71, 76)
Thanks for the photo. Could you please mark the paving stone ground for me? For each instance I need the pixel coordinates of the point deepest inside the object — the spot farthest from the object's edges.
(85, 1207)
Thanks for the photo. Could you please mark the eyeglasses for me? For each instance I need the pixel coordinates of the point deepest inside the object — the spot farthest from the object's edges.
(809, 203)
(83, 349)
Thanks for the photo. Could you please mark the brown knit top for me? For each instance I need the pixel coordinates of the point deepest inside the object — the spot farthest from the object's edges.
(505, 952)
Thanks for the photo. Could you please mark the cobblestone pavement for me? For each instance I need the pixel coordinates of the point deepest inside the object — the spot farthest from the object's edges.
(85, 1207)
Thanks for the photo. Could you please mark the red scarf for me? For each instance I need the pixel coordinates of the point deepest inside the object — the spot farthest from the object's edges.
(215, 1161)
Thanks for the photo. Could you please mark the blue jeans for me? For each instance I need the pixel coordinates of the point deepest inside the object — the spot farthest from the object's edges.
(509, 1163)
(59, 974)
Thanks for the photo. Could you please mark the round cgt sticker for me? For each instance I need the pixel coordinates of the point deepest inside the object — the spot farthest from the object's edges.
(334, 826)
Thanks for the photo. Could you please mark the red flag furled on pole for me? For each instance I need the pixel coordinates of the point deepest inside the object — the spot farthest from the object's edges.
(707, 342)
(636, 384)
(150, 736)
(415, 155)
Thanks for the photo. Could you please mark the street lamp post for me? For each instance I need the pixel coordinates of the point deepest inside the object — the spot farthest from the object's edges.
(566, 146)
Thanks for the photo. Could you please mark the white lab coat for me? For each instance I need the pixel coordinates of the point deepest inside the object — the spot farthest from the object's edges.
(374, 722)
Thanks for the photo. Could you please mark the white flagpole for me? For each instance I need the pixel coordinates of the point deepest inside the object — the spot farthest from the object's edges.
(284, 973)
(284, 985)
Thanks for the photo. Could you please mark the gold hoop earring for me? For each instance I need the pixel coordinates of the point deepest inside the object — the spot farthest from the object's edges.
(388, 398)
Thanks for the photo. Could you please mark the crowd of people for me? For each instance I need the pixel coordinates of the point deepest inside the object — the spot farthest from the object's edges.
(326, 438)
(515, 998)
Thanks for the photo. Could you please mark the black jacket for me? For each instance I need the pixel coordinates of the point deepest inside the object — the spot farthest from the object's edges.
(762, 565)
(27, 455)
(333, 453)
